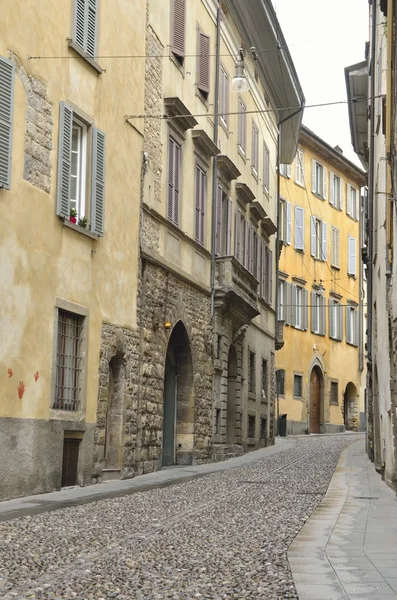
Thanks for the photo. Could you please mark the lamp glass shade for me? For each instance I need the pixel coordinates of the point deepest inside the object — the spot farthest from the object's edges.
(239, 84)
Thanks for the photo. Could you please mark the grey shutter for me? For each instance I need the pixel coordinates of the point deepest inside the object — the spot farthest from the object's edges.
(264, 274)
(204, 63)
(240, 124)
(202, 204)
(197, 204)
(340, 321)
(289, 222)
(352, 256)
(229, 226)
(348, 325)
(266, 166)
(246, 244)
(293, 305)
(313, 312)
(252, 250)
(269, 276)
(6, 120)
(348, 199)
(341, 194)
(92, 18)
(325, 174)
(324, 242)
(313, 176)
(299, 228)
(80, 23)
(86, 25)
(178, 17)
(287, 304)
(357, 327)
(305, 309)
(313, 241)
(258, 258)
(237, 236)
(331, 188)
(98, 181)
(331, 317)
(64, 160)
(218, 229)
(322, 315)
(174, 165)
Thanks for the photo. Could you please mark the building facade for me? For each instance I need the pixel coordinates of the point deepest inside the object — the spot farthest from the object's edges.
(70, 188)
(320, 289)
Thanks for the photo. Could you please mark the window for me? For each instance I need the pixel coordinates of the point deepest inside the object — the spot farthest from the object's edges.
(297, 386)
(255, 150)
(174, 179)
(335, 260)
(299, 228)
(240, 236)
(285, 170)
(334, 393)
(319, 180)
(335, 191)
(352, 207)
(68, 361)
(281, 292)
(200, 197)
(224, 97)
(251, 372)
(280, 382)
(335, 320)
(252, 250)
(242, 127)
(6, 119)
(285, 221)
(88, 200)
(203, 64)
(217, 421)
(223, 230)
(266, 165)
(352, 325)
(318, 313)
(318, 234)
(263, 429)
(251, 426)
(266, 274)
(351, 265)
(218, 341)
(299, 307)
(178, 17)
(300, 168)
(264, 390)
(86, 25)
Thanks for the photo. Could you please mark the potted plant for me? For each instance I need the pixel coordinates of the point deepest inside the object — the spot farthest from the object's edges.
(82, 222)
(73, 215)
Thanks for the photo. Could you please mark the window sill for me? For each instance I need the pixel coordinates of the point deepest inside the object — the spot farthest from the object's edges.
(352, 276)
(318, 196)
(82, 230)
(352, 218)
(201, 97)
(254, 173)
(298, 398)
(241, 152)
(334, 404)
(335, 267)
(300, 250)
(334, 339)
(251, 396)
(285, 176)
(178, 65)
(302, 185)
(224, 126)
(265, 191)
(352, 344)
(84, 55)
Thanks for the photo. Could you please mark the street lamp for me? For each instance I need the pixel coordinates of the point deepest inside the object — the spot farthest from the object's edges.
(239, 81)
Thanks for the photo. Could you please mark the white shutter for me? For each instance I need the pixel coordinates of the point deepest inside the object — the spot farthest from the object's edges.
(313, 176)
(337, 256)
(218, 224)
(237, 236)
(293, 305)
(324, 242)
(313, 244)
(299, 228)
(305, 309)
(229, 226)
(287, 304)
(6, 120)
(288, 170)
(325, 174)
(313, 312)
(356, 340)
(352, 256)
(348, 325)
(357, 205)
(98, 182)
(331, 188)
(340, 321)
(64, 160)
(322, 315)
(289, 222)
(348, 199)
(341, 191)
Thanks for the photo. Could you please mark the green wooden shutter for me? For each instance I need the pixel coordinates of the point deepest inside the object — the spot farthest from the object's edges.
(6, 120)
(98, 182)
(64, 160)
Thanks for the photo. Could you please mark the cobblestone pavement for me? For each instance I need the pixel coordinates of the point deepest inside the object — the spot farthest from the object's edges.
(221, 536)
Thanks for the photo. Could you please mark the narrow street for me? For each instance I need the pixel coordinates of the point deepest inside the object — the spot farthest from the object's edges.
(225, 535)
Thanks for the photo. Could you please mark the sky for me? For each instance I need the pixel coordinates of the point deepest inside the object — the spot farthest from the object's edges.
(324, 38)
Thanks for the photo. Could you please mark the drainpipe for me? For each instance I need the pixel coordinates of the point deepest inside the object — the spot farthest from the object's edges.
(214, 159)
(371, 180)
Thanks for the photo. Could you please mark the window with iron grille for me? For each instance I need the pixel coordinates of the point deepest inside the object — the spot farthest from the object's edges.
(68, 361)
(298, 386)
(334, 393)
(263, 429)
(251, 426)
(264, 377)
(251, 372)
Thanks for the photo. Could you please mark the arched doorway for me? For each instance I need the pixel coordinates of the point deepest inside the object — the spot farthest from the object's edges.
(231, 396)
(178, 396)
(316, 389)
(113, 451)
(350, 409)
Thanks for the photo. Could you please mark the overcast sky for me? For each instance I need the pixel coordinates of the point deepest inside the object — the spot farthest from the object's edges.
(324, 38)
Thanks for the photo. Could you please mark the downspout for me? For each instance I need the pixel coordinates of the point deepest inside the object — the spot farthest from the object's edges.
(214, 159)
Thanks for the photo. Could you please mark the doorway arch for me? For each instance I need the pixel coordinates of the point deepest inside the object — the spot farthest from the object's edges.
(231, 396)
(316, 399)
(178, 400)
(350, 406)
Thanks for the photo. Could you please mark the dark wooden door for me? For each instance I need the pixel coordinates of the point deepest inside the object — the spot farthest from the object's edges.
(315, 401)
(70, 461)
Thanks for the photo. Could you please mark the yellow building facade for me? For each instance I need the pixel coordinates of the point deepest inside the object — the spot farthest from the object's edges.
(320, 289)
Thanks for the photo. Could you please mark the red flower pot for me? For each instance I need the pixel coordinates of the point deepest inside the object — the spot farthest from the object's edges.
(73, 219)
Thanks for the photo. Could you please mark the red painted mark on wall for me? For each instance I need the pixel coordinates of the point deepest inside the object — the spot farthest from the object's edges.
(21, 390)
(36, 375)
(10, 373)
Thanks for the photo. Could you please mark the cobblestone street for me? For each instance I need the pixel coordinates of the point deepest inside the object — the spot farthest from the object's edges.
(225, 535)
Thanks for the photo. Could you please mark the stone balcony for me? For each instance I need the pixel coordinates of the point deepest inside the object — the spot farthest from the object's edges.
(280, 334)
(236, 290)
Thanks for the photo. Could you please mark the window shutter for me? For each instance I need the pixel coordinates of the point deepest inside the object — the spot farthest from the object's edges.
(288, 222)
(98, 182)
(237, 236)
(258, 257)
(266, 167)
(269, 276)
(313, 312)
(204, 63)
(313, 241)
(358, 205)
(197, 203)
(357, 327)
(264, 266)
(289, 171)
(174, 176)
(79, 23)
(218, 230)
(340, 321)
(325, 175)
(348, 199)
(64, 160)
(299, 228)
(246, 244)
(348, 324)
(297, 172)
(322, 315)
(352, 256)
(331, 188)
(287, 309)
(313, 176)
(240, 124)
(305, 309)
(92, 17)
(229, 226)
(324, 241)
(293, 305)
(331, 318)
(178, 17)
(85, 25)
(337, 263)
(244, 128)
(251, 238)
(6, 120)
(341, 192)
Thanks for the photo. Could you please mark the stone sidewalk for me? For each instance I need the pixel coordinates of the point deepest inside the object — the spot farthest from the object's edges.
(348, 548)
(33, 505)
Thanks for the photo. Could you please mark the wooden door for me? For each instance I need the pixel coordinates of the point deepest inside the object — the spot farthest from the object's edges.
(315, 401)
(70, 461)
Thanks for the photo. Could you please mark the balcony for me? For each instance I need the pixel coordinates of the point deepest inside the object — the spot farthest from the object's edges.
(236, 290)
(280, 334)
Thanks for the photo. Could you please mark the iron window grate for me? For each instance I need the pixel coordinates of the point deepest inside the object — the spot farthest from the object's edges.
(68, 361)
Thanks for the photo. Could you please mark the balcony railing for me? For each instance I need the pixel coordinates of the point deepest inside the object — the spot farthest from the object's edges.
(236, 288)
